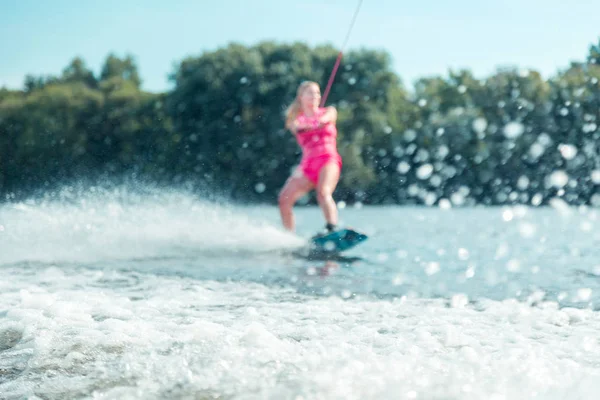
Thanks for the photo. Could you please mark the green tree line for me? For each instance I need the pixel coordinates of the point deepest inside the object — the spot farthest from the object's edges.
(512, 137)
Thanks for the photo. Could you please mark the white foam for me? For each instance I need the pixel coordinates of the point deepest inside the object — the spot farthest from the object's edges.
(186, 338)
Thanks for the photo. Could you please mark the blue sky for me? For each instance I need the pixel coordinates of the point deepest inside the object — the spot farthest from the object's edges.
(424, 37)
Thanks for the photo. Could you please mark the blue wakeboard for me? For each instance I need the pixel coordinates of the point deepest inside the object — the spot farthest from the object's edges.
(337, 241)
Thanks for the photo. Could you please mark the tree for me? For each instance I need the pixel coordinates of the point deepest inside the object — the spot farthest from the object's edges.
(78, 72)
(594, 54)
(119, 69)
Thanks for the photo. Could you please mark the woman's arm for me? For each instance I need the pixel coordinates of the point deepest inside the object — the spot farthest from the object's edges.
(330, 116)
(297, 127)
(292, 126)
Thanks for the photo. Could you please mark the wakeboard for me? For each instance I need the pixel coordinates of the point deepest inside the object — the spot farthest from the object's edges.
(337, 241)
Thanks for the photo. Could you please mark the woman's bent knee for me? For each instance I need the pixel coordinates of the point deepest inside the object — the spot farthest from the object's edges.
(324, 194)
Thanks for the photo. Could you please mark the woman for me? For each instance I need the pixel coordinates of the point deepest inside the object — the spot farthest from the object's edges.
(320, 167)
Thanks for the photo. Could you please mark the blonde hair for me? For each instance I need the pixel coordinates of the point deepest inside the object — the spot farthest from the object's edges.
(294, 109)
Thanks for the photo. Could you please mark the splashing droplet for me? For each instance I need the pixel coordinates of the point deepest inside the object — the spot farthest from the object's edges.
(432, 268)
(568, 151)
(537, 199)
(445, 204)
(513, 130)
(527, 230)
(558, 179)
(588, 128)
(513, 265)
(260, 187)
(430, 198)
(403, 167)
(443, 151)
(523, 182)
(458, 199)
(398, 280)
(479, 125)
(424, 171)
(410, 135)
(536, 150)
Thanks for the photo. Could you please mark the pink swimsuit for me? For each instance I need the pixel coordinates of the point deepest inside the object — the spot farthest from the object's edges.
(318, 145)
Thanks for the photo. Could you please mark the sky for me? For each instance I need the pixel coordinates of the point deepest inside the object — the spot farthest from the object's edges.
(423, 37)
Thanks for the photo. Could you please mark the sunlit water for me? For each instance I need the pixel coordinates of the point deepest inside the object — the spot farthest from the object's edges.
(127, 296)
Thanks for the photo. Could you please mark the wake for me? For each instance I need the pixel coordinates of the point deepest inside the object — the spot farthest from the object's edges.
(134, 223)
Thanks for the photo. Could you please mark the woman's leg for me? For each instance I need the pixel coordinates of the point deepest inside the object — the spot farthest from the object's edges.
(328, 180)
(295, 187)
